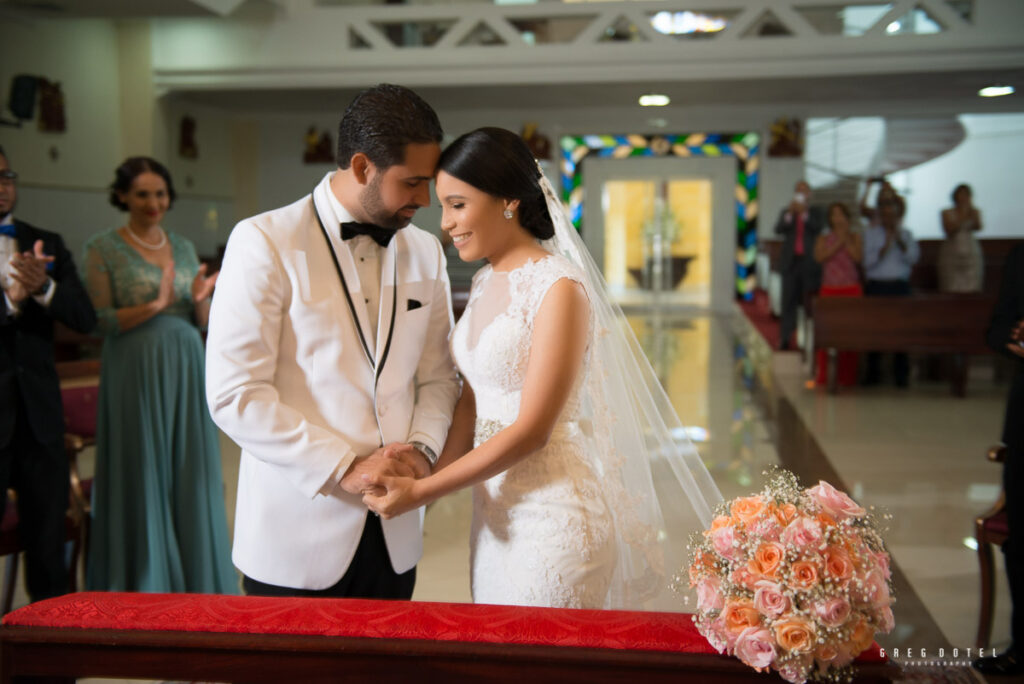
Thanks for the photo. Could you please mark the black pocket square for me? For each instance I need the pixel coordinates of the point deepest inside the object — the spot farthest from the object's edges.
(413, 304)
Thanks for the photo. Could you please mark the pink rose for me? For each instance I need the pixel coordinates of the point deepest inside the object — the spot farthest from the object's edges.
(709, 594)
(835, 502)
(796, 669)
(766, 528)
(832, 612)
(756, 648)
(724, 542)
(882, 559)
(769, 599)
(874, 590)
(802, 532)
(724, 633)
(716, 634)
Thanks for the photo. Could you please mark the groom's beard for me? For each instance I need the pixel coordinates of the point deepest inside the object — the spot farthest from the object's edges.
(374, 207)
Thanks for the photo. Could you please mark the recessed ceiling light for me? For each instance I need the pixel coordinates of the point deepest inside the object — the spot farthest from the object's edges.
(996, 91)
(654, 100)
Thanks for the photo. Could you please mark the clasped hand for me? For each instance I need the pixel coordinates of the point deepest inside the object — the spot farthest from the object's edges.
(28, 272)
(386, 477)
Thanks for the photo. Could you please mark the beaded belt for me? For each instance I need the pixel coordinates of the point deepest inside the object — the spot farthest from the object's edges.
(486, 428)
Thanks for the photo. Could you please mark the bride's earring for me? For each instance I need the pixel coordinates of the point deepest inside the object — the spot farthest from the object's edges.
(508, 214)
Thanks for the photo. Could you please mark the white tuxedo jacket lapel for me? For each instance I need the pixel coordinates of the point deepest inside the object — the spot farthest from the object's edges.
(388, 294)
(347, 265)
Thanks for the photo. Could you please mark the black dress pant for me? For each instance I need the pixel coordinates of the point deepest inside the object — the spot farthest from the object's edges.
(796, 283)
(1013, 549)
(38, 472)
(900, 360)
(370, 575)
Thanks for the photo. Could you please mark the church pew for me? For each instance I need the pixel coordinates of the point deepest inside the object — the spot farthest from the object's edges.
(930, 323)
(254, 639)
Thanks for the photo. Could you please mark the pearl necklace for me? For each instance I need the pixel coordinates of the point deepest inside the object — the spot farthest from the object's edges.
(142, 243)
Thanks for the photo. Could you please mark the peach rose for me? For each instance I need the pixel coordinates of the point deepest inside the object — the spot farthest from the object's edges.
(767, 559)
(746, 509)
(719, 521)
(702, 564)
(861, 637)
(835, 502)
(769, 599)
(832, 612)
(795, 635)
(740, 614)
(785, 514)
(803, 575)
(742, 576)
(756, 648)
(886, 621)
(838, 564)
(724, 541)
(826, 656)
(802, 532)
(709, 594)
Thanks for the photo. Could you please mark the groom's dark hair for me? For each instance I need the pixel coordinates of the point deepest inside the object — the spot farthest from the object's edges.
(381, 121)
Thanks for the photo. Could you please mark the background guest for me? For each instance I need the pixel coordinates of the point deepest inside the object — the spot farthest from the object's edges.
(885, 192)
(890, 253)
(960, 260)
(839, 251)
(40, 285)
(158, 503)
(1006, 336)
(799, 224)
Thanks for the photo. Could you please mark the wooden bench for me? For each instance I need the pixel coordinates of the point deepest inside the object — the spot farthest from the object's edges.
(937, 323)
(253, 639)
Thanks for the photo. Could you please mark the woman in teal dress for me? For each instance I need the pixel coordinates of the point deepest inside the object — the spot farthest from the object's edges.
(159, 523)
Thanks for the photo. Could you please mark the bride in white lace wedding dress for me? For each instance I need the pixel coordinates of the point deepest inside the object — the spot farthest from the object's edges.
(556, 426)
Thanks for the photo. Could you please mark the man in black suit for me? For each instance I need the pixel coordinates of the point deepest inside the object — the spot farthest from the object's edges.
(39, 285)
(1006, 336)
(799, 224)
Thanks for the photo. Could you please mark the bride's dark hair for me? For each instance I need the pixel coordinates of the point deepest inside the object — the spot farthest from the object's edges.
(499, 163)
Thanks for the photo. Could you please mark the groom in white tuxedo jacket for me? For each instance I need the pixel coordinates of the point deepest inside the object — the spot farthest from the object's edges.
(328, 356)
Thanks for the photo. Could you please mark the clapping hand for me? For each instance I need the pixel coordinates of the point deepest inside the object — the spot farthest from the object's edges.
(165, 295)
(202, 286)
(28, 271)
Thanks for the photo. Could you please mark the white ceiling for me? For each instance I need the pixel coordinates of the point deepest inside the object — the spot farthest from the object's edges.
(939, 89)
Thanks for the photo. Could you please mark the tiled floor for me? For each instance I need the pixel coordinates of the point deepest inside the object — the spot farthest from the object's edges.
(917, 453)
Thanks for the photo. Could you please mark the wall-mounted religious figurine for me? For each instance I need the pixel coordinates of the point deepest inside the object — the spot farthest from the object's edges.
(319, 148)
(538, 143)
(787, 138)
(51, 107)
(187, 147)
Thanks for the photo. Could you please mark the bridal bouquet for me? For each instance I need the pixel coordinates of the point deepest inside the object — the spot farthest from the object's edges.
(796, 580)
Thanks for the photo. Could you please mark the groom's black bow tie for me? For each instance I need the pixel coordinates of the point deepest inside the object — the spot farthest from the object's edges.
(382, 236)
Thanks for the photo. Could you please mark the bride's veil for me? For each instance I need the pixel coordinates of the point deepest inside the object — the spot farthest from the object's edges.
(635, 430)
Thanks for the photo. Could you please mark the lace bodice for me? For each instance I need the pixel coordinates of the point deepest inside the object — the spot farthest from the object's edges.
(117, 277)
(491, 343)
